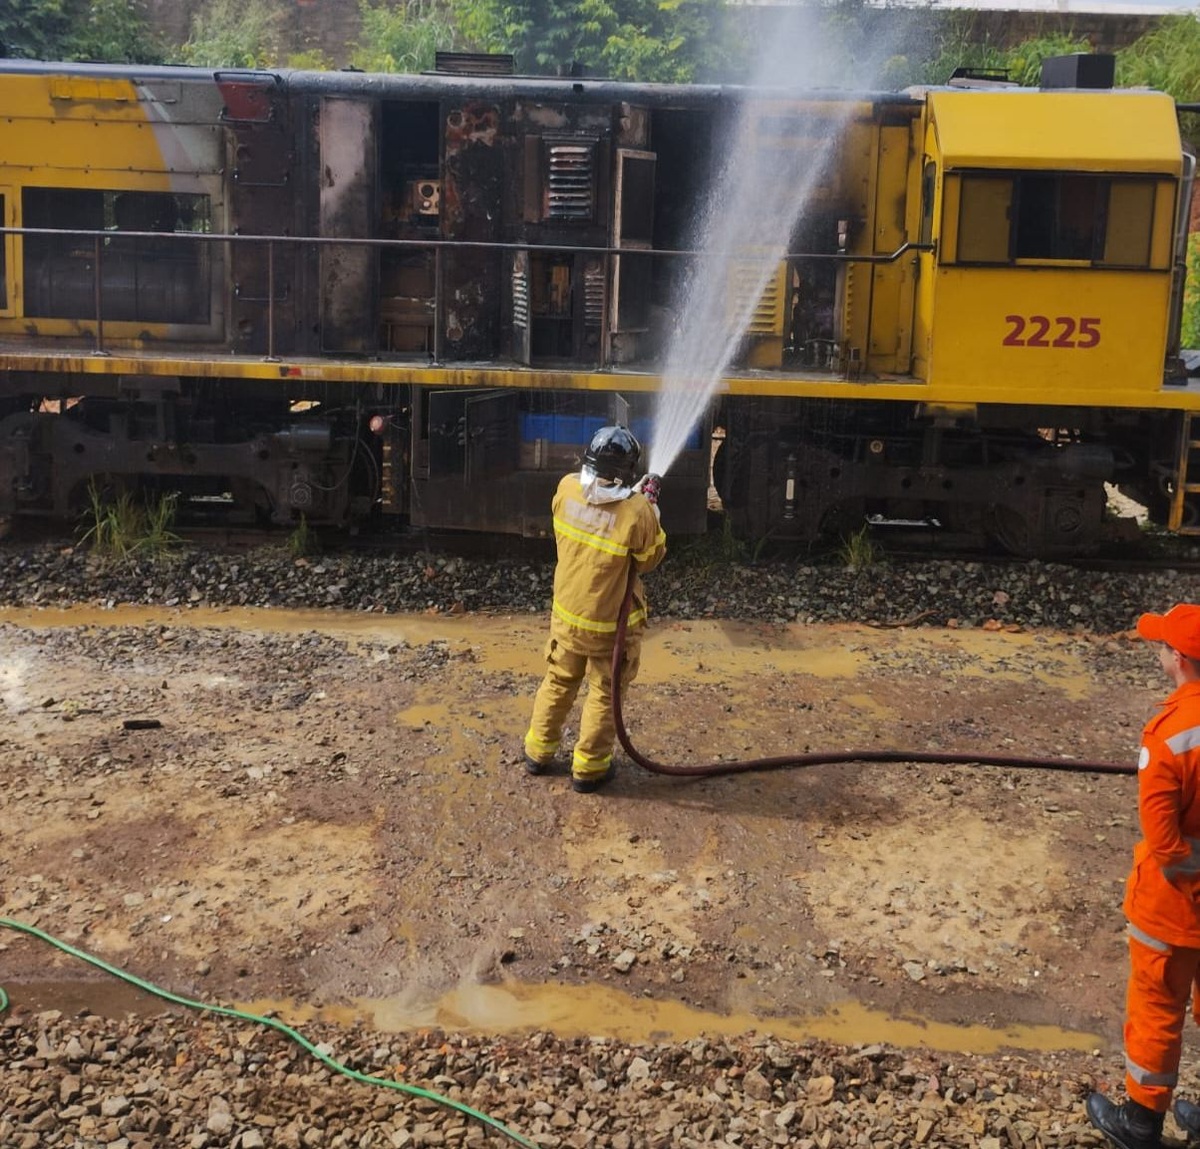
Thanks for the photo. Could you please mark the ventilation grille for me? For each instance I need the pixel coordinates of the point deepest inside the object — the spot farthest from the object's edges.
(593, 293)
(767, 316)
(571, 180)
(520, 293)
(473, 63)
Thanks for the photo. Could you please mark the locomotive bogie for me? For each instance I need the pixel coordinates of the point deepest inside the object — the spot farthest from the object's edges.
(347, 297)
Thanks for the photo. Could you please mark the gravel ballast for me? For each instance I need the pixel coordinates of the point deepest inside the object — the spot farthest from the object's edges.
(185, 1082)
(937, 593)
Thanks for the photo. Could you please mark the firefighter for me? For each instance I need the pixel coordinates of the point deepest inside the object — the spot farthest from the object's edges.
(1162, 897)
(605, 520)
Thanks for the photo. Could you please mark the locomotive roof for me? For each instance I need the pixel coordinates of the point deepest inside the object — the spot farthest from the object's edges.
(432, 85)
(1099, 130)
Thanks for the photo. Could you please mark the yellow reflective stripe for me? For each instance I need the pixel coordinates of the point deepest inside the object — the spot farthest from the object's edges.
(582, 623)
(586, 768)
(595, 625)
(536, 746)
(641, 556)
(590, 540)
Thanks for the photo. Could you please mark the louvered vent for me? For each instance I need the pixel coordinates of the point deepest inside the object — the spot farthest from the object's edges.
(571, 182)
(767, 316)
(520, 293)
(593, 293)
(473, 63)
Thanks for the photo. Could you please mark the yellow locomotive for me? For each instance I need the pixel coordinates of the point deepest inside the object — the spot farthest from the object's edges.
(352, 296)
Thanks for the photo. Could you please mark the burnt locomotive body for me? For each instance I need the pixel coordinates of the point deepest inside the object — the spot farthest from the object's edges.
(351, 297)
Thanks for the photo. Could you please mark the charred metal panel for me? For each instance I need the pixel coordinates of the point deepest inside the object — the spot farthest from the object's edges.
(473, 190)
(262, 201)
(349, 275)
(492, 435)
(473, 436)
(447, 434)
(633, 229)
(564, 170)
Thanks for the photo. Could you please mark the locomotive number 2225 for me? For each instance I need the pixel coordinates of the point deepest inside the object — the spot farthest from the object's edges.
(1062, 331)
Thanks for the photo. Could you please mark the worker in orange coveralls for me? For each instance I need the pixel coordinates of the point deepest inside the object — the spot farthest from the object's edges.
(1162, 897)
(605, 520)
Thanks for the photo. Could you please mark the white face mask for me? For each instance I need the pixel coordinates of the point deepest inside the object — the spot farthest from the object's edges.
(596, 490)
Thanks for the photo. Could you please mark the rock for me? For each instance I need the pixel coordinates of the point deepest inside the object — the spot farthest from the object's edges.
(755, 1085)
(220, 1119)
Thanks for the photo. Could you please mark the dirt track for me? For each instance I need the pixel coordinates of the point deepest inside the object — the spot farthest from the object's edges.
(333, 815)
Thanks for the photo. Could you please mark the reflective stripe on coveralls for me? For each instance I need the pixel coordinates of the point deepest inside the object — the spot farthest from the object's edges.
(1162, 896)
(1160, 986)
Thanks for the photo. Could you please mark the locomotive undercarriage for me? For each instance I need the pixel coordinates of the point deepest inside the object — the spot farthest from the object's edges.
(786, 471)
(825, 470)
(268, 464)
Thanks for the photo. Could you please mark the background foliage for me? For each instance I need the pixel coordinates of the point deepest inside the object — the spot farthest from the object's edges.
(115, 30)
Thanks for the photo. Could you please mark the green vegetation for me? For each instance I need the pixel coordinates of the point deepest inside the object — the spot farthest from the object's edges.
(112, 30)
(121, 527)
(675, 41)
(1168, 59)
(235, 34)
(1191, 295)
(858, 551)
(303, 540)
(671, 41)
(404, 37)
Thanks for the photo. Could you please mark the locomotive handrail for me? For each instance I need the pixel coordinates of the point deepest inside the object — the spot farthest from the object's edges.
(437, 246)
(479, 244)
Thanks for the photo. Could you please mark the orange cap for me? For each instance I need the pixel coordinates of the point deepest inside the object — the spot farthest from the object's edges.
(1179, 628)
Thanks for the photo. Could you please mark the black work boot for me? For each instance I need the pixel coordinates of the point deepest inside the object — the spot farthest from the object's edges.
(1128, 1126)
(594, 783)
(1187, 1117)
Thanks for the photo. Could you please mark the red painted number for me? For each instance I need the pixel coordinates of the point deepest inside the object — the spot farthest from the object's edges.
(1035, 331)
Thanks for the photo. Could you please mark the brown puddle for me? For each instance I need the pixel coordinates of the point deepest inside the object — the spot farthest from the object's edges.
(576, 1011)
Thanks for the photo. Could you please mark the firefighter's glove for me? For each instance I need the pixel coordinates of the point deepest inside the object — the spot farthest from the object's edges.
(650, 485)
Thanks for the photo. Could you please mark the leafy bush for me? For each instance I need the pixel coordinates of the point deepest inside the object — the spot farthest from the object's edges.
(1191, 295)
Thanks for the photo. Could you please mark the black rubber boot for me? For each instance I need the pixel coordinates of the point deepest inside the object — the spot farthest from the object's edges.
(1128, 1126)
(1187, 1117)
(596, 782)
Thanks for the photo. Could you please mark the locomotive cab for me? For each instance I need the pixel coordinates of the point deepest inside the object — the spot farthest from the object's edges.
(1052, 216)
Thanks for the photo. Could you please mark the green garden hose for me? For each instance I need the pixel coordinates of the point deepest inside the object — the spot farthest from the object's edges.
(273, 1023)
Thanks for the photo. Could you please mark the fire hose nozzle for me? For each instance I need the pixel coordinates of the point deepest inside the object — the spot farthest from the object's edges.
(650, 485)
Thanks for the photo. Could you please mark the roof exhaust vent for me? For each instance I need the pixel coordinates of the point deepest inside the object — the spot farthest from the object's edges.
(473, 63)
(1079, 70)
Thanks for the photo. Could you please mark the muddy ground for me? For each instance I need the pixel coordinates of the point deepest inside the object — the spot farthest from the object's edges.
(328, 815)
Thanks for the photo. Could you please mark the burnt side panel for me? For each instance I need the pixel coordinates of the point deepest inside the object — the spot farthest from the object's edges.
(472, 190)
(262, 201)
(349, 273)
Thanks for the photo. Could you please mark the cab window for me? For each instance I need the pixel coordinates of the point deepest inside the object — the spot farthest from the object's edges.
(143, 278)
(1056, 217)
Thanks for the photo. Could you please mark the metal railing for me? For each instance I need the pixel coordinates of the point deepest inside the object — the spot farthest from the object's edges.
(439, 248)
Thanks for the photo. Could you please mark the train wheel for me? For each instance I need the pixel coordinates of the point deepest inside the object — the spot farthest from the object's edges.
(1010, 530)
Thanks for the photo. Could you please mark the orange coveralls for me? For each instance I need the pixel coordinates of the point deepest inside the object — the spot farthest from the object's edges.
(596, 543)
(1162, 900)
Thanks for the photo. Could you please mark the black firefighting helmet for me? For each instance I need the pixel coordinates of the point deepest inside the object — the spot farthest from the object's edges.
(614, 454)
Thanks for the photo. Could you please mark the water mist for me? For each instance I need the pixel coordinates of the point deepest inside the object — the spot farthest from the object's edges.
(751, 213)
